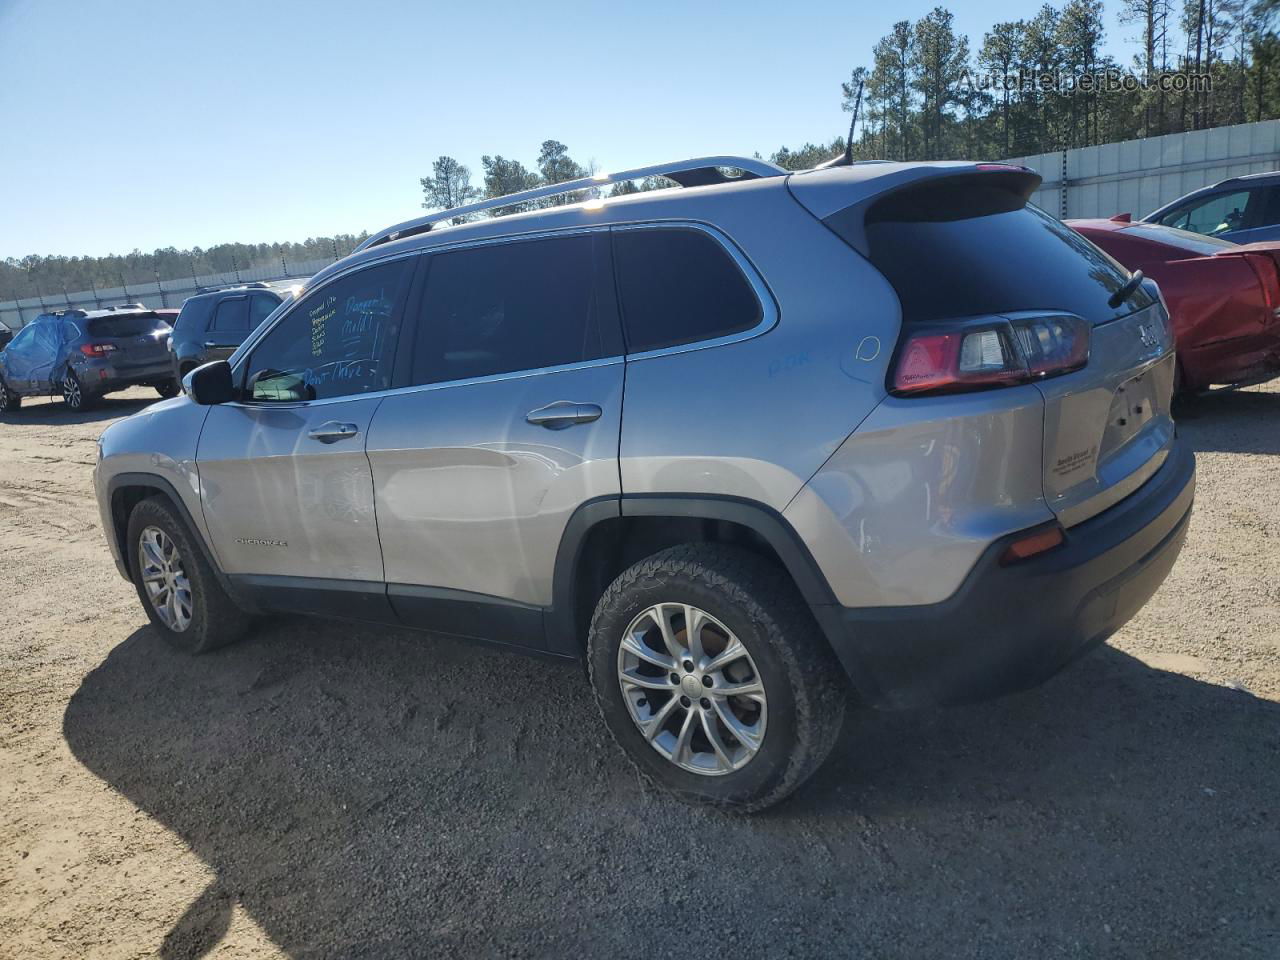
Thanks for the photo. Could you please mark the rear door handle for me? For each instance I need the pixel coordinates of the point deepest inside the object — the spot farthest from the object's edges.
(563, 413)
(210, 345)
(333, 431)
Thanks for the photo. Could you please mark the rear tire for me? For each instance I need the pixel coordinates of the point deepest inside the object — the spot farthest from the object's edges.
(167, 389)
(178, 588)
(73, 393)
(743, 752)
(9, 401)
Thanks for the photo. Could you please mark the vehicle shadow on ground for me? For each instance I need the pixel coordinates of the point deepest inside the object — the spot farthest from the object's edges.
(54, 411)
(372, 793)
(1231, 421)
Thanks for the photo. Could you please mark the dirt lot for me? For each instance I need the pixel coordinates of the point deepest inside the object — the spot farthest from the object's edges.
(332, 791)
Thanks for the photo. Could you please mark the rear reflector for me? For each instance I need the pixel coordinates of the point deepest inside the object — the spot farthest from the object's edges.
(97, 349)
(990, 353)
(1033, 544)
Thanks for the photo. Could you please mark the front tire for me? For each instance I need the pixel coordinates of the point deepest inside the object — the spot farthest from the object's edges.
(73, 394)
(736, 713)
(178, 588)
(9, 401)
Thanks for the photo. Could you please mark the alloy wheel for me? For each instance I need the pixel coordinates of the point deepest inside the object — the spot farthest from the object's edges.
(692, 689)
(164, 578)
(71, 395)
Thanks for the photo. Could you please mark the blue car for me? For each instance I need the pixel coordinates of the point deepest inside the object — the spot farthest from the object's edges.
(1242, 209)
(85, 354)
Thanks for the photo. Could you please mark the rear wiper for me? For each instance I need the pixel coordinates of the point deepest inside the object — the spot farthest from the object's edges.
(1127, 291)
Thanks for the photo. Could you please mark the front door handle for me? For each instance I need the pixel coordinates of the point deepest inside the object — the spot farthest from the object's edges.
(210, 345)
(333, 431)
(563, 413)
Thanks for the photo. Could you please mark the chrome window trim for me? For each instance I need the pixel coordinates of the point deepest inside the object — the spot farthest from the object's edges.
(769, 312)
(420, 387)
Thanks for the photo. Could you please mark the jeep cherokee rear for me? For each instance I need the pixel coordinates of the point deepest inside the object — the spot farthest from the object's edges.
(739, 446)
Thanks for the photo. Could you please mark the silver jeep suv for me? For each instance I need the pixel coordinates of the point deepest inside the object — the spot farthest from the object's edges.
(752, 448)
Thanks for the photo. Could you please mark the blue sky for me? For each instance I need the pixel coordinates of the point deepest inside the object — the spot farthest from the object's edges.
(142, 124)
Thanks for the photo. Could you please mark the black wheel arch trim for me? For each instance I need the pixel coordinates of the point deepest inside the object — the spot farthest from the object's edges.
(758, 517)
(170, 493)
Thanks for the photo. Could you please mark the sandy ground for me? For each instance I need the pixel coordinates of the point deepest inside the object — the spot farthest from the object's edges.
(326, 790)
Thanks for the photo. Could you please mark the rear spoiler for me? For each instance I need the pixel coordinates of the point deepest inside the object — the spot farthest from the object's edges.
(918, 193)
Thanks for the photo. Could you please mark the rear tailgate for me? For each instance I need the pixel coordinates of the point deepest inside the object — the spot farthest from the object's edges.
(139, 340)
(1107, 427)
(965, 251)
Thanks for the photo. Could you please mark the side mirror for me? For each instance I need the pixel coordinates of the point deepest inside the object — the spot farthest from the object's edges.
(210, 384)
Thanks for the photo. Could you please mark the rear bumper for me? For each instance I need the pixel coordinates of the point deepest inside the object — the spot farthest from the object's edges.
(1011, 627)
(100, 376)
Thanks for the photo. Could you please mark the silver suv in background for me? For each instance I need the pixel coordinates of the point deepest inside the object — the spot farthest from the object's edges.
(747, 448)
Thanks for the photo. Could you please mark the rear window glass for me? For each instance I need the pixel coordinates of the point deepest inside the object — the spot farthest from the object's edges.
(946, 259)
(128, 325)
(679, 286)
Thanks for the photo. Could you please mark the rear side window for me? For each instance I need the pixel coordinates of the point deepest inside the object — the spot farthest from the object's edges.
(677, 286)
(523, 305)
(232, 314)
(260, 308)
(128, 325)
(956, 250)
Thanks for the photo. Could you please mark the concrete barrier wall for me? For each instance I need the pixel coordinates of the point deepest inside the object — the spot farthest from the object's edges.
(167, 293)
(1138, 176)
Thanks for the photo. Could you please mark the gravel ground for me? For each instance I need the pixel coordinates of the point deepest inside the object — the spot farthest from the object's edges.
(325, 790)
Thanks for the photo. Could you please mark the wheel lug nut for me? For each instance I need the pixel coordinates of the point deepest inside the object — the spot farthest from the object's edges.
(688, 666)
(706, 681)
(706, 704)
(675, 679)
(685, 701)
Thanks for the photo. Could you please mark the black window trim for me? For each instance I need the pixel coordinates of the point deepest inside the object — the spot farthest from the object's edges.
(769, 312)
(239, 360)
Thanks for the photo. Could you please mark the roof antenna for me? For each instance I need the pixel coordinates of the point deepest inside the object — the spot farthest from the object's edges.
(846, 159)
(848, 146)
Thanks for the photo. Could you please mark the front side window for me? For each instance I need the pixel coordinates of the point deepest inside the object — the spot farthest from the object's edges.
(1211, 216)
(679, 285)
(523, 305)
(337, 342)
(232, 314)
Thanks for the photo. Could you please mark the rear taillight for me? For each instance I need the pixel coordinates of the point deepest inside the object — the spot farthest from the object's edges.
(990, 353)
(1269, 277)
(97, 349)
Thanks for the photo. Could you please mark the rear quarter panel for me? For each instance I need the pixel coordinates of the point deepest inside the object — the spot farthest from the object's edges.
(756, 418)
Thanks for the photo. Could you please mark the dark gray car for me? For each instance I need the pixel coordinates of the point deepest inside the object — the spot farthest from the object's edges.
(212, 325)
(85, 354)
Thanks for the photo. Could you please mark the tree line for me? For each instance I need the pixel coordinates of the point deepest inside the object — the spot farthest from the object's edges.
(50, 276)
(924, 93)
